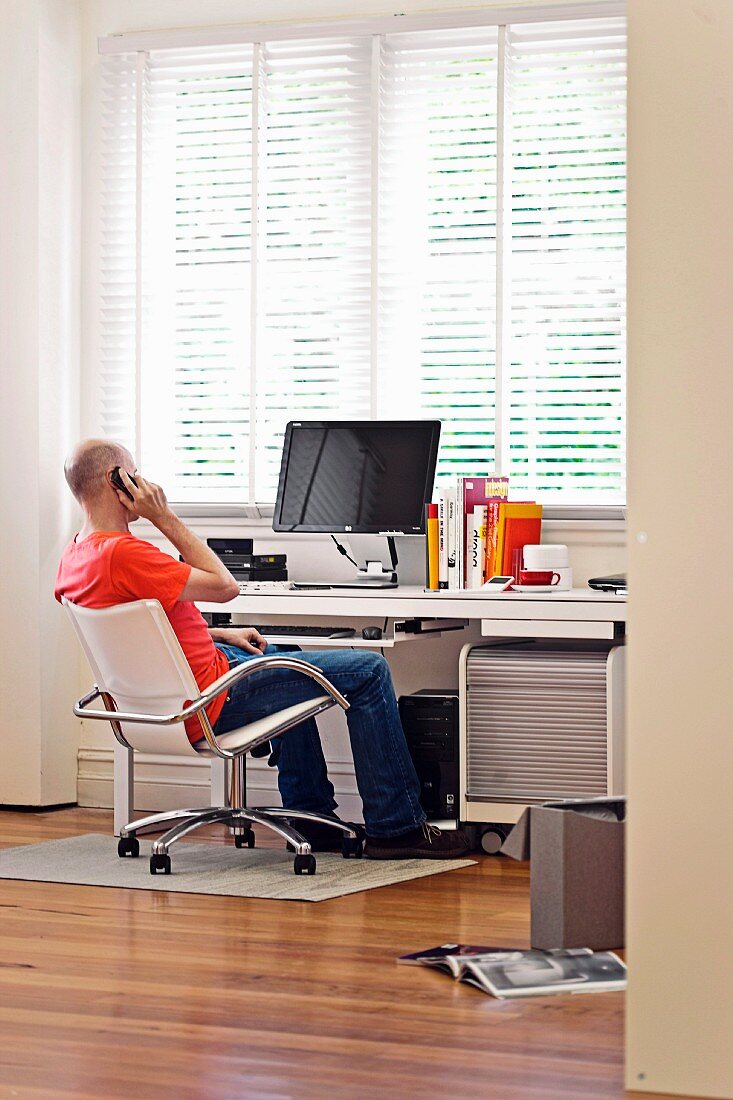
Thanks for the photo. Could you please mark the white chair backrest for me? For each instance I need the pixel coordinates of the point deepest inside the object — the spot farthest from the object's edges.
(136, 657)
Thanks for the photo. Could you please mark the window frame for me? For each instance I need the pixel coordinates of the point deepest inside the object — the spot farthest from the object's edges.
(140, 43)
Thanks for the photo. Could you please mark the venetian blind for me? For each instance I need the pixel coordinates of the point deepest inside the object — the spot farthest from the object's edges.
(118, 321)
(437, 237)
(196, 355)
(422, 224)
(314, 195)
(565, 278)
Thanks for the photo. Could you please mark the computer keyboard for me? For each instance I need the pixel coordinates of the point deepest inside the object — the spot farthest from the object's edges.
(307, 631)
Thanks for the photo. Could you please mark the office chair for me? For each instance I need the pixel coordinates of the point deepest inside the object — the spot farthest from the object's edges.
(148, 692)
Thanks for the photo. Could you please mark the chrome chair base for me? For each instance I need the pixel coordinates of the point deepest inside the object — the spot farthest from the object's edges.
(240, 821)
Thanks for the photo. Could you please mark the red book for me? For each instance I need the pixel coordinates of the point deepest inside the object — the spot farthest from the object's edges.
(477, 492)
(522, 526)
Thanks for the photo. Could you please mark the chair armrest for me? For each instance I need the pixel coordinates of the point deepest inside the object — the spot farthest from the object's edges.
(250, 668)
(239, 672)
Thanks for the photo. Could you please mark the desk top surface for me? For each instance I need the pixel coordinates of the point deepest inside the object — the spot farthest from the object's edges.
(411, 600)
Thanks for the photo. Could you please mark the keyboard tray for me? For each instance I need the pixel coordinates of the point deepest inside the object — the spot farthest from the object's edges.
(300, 631)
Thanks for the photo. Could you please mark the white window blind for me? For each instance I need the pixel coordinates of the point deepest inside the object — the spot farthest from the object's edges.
(315, 201)
(565, 283)
(196, 354)
(420, 224)
(437, 237)
(118, 308)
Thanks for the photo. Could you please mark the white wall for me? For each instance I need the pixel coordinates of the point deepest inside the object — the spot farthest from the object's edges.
(680, 751)
(39, 352)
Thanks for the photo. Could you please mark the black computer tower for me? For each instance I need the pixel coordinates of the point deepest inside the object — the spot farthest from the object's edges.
(430, 721)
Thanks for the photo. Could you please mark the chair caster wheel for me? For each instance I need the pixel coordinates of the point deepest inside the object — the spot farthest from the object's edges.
(128, 846)
(304, 865)
(160, 863)
(248, 838)
(352, 848)
(493, 837)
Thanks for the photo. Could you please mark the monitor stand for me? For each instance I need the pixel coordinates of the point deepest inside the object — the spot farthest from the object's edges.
(375, 556)
(369, 579)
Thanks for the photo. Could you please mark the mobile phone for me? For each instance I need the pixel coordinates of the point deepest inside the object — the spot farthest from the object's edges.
(119, 483)
(499, 584)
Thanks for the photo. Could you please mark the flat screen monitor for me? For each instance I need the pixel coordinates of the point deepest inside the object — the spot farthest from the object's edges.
(357, 476)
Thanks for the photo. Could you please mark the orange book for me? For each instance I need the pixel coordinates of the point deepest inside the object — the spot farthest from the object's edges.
(522, 525)
(492, 534)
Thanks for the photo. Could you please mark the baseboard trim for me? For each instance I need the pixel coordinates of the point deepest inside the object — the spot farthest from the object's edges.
(165, 783)
(23, 809)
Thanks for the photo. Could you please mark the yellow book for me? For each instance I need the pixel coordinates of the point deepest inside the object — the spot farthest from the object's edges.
(432, 547)
(498, 554)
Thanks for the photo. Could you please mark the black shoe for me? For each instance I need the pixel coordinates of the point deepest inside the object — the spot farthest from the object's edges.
(425, 842)
(322, 838)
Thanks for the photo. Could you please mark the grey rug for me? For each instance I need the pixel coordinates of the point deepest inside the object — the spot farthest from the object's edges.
(210, 869)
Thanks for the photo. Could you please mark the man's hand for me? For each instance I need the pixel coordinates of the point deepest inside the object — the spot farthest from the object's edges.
(209, 579)
(148, 499)
(244, 637)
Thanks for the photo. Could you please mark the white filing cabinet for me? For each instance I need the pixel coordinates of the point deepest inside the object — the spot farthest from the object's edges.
(540, 721)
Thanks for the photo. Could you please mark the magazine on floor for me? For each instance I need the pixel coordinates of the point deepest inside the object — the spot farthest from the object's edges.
(503, 972)
(448, 956)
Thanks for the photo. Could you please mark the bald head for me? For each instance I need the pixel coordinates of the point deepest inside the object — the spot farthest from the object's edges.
(86, 467)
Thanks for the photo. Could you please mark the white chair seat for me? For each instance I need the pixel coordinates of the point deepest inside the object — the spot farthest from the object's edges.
(254, 732)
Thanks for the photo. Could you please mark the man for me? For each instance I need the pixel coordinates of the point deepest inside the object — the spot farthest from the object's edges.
(105, 564)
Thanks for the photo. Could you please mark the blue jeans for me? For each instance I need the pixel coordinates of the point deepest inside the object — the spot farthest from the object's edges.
(385, 774)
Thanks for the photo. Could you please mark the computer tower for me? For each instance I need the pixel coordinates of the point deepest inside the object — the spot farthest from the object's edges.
(430, 721)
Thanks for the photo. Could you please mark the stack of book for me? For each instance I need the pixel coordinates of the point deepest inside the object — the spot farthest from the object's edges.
(474, 532)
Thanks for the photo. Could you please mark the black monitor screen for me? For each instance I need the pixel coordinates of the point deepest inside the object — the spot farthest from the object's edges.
(365, 476)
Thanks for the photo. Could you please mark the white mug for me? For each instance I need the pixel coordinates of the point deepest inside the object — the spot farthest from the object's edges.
(550, 556)
(546, 556)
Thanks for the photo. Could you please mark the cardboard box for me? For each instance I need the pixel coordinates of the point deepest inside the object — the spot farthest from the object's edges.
(576, 852)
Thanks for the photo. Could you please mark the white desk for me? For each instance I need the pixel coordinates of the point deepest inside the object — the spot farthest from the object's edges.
(579, 613)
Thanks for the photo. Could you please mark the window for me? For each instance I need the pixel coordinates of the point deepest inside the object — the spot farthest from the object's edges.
(429, 223)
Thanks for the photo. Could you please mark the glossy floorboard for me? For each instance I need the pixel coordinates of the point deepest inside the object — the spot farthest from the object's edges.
(119, 993)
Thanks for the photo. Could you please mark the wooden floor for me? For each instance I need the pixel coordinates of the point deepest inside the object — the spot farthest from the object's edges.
(124, 993)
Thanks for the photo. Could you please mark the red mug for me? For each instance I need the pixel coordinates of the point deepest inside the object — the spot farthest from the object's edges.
(538, 576)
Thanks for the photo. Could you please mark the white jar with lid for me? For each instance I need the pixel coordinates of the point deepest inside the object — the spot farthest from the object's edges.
(553, 556)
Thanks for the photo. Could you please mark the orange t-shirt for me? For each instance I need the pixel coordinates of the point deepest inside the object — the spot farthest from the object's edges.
(110, 567)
